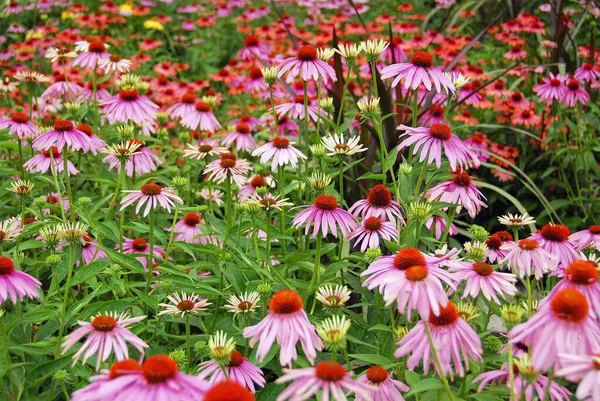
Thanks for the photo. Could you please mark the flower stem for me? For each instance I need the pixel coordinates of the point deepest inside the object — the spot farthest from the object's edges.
(54, 171)
(63, 312)
(341, 111)
(188, 342)
(150, 255)
(268, 245)
(227, 212)
(172, 232)
(316, 277)
(511, 373)
(451, 215)
(438, 363)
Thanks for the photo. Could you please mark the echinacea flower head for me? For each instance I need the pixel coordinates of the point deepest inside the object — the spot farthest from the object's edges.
(368, 233)
(9, 230)
(554, 238)
(18, 124)
(526, 257)
(338, 145)
(457, 79)
(349, 51)
(123, 151)
(333, 297)
(114, 64)
(63, 134)
(206, 147)
(221, 346)
(369, 107)
(72, 231)
(21, 188)
(459, 191)
(153, 195)
(585, 238)
(287, 323)
(333, 331)
(326, 217)
(91, 53)
(238, 369)
(456, 342)
(129, 105)
(228, 167)
(107, 333)
(15, 284)
(270, 202)
(481, 278)
(413, 279)
(307, 65)
(319, 181)
(428, 142)
(383, 386)
(281, 152)
(419, 70)
(183, 304)
(31, 77)
(244, 303)
(563, 325)
(228, 390)
(269, 75)
(379, 203)
(54, 54)
(584, 369)
(325, 53)
(372, 48)
(329, 378)
(516, 220)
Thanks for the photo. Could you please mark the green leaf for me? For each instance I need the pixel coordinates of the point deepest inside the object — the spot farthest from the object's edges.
(425, 385)
(373, 359)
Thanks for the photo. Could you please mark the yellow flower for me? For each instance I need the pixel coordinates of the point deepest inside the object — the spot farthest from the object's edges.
(153, 24)
(67, 15)
(126, 9)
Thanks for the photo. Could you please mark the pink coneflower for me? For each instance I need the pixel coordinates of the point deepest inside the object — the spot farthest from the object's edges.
(228, 167)
(129, 105)
(97, 143)
(439, 225)
(527, 383)
(551, 89)
(281, 153)
(186, 105)
(368, 233)
(256, 83)
(143, 161)
(187, 229)
(581, 275)
(13, 8)
(412, 279)
(379, 203)
(326, 216)
(328, 378)
(430, 140)
(458, 191)
(454, 339)
(554, 238)
(89, 250)
(107, 333)
(517, 100)
(526, 117)
(242, 136)
(575, 94)
(139, 246)
(562, 325)
(287, 323)
(252, 49)
(494, 243)
(434, 115)
(418, 70)
(584, 369)
(295, 109)
(527, 257)
(18, 124)
(383, 387)
(307, 65)
(586, 238)
(61, 88)
(15, 283)
(263, 180)
(53, 199)
(92, 52)
(515, 53)
(228, 390)
(158, 379)
(63, 133)
(201, 118)
(119, 368)
(481, 278)
(183, 304)
(153, 195)
(587, 73)
(204, 148)
(114, 64)
(239, 370)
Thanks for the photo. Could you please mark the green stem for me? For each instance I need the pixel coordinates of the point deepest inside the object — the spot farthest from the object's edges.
(341, 110)
(268, 245)
(227, 212)
(63, 312)
(54, 171)
(511, 373)
(451, 215)
(67, 178)
(316, 277)
(150, 255)
(437, 362)
(188, 342)
(172, 232)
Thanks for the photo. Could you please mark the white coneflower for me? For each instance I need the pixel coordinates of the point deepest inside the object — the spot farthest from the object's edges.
(55, 54)
(319, 181)
(32, 77)
(183, 304)
(72, 231)
(333, 331)
(21, 187)
(325, 54)
(9, 230)
(339, 145)
(475, 250)
(245, 303)
(458, 79)
(269, 74)
(123, 151)
(368, 107)
(206, 147)
(374, 48)
(517, 220)
(6, 85)
(270, 202)
(333, 297)
(221, 346)
(114, 63)
(51, 235)
(349, 52)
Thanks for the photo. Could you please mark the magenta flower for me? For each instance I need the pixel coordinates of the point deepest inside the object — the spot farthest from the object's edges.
(412, 279)
(158, 379)
(587, 73)
(328, 378)
(281, 153)
(228, 167)
(239, 370)
(61, 88)
(454, 339)
(458, 191)
(554, 238)
(379, 203)
(18, 124)
(89, 250)
(201, 118)
(242, 136)
(186, 105)
(152, 195)
(139, 246)
(143, 161)
(584, 369)
(585, 238)
(295, 109)
(383, 387)
(419, 70)
(307, 65)
(43, 162)
(527, 257)
(551, 89)
(481, 278)
(438, 224)
(326, 216)
(97, 144)
(575, 94)
(563, 325)
(187, 229)
(129, 105)
(64, 133)
(16, 284)
(119, 368)
(287, 323)
(92, 52)
(495, 253)
(107, 333)
(368, 233)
